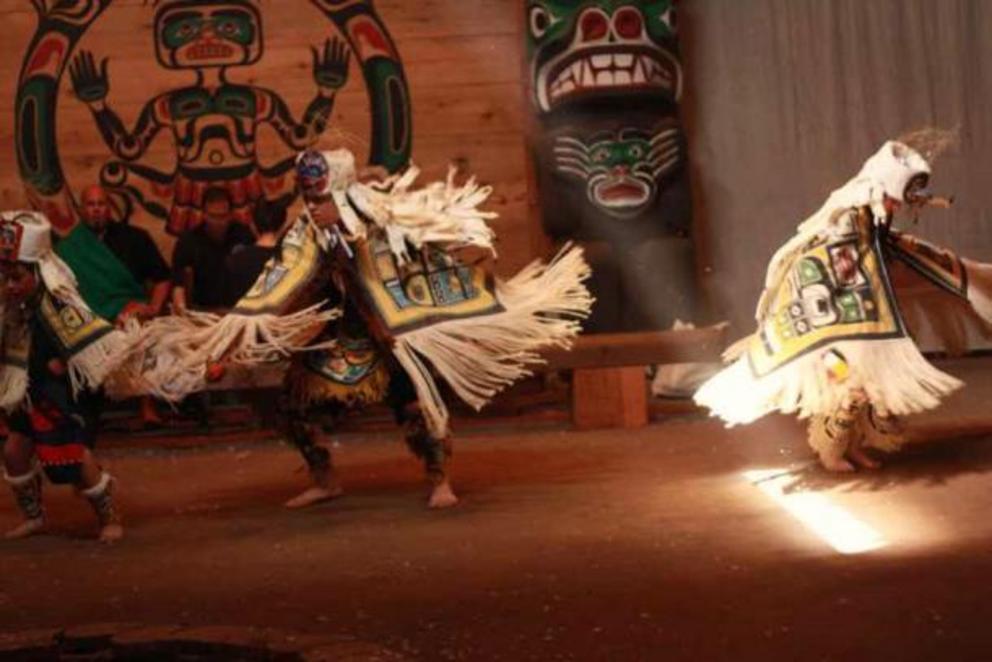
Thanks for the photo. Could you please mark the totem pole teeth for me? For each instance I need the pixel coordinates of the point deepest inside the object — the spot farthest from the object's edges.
(605, 70)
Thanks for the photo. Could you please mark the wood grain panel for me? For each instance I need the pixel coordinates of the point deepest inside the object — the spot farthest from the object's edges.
(462, 58)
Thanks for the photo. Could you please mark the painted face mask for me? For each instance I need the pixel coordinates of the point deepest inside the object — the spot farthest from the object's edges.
(312, 175)
(916, 192)
(622, 169)
(601, 48)
(193, 34)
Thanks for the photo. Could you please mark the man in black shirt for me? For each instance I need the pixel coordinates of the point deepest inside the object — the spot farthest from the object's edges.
(198, 273)
(245, 263)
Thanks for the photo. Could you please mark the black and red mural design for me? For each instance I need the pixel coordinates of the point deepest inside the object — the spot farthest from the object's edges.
(212, 123)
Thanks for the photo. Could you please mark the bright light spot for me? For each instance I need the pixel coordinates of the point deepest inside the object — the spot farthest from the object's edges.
(834, 525)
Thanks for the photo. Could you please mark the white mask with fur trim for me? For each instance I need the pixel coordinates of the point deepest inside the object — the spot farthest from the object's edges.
(25, 236)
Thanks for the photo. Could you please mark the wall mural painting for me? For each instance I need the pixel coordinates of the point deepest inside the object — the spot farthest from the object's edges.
(610, 153)
(212, 122)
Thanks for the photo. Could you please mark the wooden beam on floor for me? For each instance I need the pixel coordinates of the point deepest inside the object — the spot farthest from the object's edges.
(640, 349)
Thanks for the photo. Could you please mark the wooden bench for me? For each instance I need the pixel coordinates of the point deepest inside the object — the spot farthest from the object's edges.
(609, 385)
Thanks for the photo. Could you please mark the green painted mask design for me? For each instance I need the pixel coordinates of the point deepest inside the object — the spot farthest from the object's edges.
(234, 26)
(587, 48)
(194, 34)
(621, 170)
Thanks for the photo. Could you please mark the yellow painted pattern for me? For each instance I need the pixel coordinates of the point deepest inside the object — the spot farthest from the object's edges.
(74, 329)
(798, 322)
(285, 278)
(377, 270)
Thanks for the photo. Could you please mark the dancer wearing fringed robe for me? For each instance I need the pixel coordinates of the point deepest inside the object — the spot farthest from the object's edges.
(370, 300)
(53, 349)
(832, 343)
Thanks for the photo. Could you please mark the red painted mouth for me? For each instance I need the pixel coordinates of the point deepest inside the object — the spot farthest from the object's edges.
(209, 51)
(622, 193)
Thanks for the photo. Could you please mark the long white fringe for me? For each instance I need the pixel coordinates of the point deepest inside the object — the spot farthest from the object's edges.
(13, 387)
(479, 356)
(175, 351)
(237, 338)
(896, 377)
(440, 213)
(90, 367)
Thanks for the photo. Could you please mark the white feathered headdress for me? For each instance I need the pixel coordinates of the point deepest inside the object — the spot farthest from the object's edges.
(26, 236)
(888, 172)
(441, 212)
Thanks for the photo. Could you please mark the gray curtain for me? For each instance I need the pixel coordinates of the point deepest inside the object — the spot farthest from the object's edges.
(786, 98)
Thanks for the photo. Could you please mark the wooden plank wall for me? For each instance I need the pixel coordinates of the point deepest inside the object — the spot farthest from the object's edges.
(462, 59)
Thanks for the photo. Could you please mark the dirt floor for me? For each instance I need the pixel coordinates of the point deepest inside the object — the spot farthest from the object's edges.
(641, 545)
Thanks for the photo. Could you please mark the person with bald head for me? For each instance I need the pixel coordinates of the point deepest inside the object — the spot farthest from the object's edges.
(120, 270)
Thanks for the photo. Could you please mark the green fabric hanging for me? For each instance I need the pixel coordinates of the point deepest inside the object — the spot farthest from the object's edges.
(104, 282)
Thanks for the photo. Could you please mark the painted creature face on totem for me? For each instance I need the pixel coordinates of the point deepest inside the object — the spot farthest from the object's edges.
(199, 34)
(621, 169)
(601, 48)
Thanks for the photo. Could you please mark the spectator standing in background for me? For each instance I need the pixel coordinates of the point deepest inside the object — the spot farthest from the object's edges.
(245, 263)
(243, 266)
(199, 276)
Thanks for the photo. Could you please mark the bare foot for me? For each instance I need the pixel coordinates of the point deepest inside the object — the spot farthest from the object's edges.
(26, 529)
(111, 533)
(862, 459)
(442, 496)
(837, 464)
(313, 495)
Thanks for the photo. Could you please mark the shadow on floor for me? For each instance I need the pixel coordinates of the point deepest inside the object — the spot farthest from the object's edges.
(931, 463)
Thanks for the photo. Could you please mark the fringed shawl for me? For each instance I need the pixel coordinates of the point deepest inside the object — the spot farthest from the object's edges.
(435, 313)
(831, 323)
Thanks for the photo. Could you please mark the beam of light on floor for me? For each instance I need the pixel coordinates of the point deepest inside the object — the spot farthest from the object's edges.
(834, 525)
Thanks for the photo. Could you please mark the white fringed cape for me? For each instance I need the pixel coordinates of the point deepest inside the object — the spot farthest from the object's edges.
(267, 324)
(90, 365)
(543, 305)
(479, 356)
(171, 358)
(893, 373)
(442, 213)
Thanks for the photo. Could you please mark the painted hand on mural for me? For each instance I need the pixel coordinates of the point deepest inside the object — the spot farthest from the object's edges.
(376, 54)
(330, 68)
(211, 123)
(90, 83)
